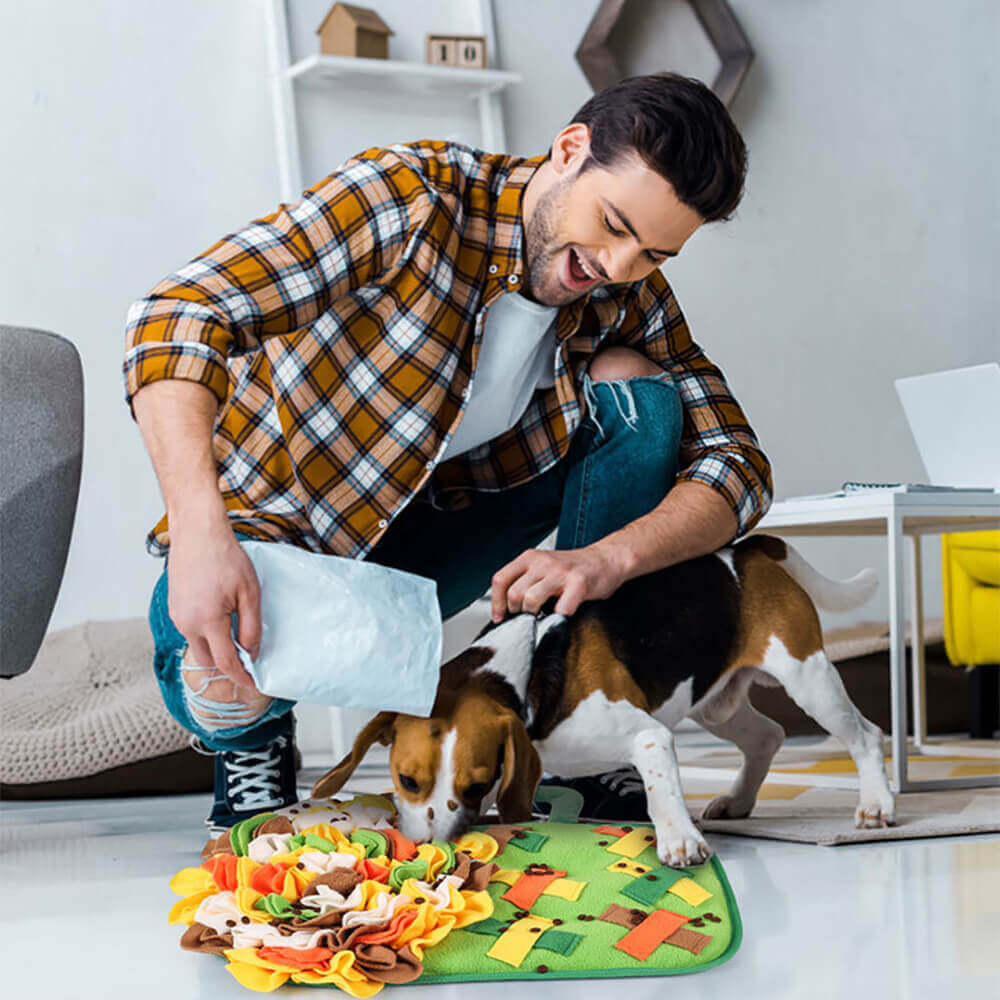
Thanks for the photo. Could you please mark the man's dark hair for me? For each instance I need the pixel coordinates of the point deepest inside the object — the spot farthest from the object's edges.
(680, 129)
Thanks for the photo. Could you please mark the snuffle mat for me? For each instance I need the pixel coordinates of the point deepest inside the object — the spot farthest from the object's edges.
(329, 892)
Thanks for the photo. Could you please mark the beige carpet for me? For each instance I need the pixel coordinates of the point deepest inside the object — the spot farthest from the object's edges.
(791, 807)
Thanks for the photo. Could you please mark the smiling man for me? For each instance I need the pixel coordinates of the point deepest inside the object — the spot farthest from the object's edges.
(434, 359)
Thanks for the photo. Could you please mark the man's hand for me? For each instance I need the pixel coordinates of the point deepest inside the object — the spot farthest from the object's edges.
(208, 577)
(576, 575)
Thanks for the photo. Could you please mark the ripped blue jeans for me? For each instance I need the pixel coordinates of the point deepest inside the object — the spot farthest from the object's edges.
(621, 462)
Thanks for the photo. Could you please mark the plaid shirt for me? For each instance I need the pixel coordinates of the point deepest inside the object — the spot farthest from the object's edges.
(340, 335)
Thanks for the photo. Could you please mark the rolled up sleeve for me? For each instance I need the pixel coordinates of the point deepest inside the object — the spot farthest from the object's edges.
(718, 446)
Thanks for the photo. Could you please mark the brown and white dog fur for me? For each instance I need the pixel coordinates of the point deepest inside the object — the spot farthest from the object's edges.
(603, 687)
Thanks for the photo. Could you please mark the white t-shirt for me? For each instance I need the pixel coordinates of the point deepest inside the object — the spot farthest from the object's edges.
(516, 356)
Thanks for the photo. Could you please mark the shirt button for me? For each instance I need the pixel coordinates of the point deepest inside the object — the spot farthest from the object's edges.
(383, 523)
(428, 465)
(466, 392)
(494, 268)
(512, 279)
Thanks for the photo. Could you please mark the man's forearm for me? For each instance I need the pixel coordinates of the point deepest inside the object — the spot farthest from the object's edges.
(691, 520)
(176, 418)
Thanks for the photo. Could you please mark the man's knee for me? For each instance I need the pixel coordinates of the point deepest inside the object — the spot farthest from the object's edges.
(215, 702)
(620, 362)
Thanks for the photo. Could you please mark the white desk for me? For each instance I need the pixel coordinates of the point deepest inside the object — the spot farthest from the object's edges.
(896, 515)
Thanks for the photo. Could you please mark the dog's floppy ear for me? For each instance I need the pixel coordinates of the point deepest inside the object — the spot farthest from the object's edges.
(379, 729)
(522, 770)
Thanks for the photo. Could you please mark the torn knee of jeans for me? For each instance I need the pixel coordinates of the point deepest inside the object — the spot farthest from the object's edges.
(628, 413)
(203, 686)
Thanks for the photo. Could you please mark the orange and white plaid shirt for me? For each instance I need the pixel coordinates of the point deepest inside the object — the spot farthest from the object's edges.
(340, 335)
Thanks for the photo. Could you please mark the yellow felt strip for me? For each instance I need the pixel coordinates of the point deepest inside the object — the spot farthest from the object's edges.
(564, 888)
(632, 868)
(515, 943)
(506, 875)
(633, 843)
(690, 891)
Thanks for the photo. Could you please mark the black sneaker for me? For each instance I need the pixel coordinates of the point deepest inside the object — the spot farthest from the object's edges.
(248, 782)
(614, 795)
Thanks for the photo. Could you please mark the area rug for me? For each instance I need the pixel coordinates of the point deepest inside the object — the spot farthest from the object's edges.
(791, 806)
(329, 892)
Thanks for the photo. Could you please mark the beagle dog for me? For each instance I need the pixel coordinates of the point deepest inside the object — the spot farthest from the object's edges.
(592, 691)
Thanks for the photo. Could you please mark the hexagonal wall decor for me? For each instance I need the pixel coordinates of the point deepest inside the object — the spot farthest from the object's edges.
(623, 35)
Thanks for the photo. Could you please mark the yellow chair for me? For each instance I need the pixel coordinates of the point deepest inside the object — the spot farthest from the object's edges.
(970, 563)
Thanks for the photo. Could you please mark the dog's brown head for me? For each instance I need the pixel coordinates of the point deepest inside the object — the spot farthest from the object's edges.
(450, 767)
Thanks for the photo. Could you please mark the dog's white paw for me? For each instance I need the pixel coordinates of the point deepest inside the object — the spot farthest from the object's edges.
(684, 849)
(875, 814)
(726, 807)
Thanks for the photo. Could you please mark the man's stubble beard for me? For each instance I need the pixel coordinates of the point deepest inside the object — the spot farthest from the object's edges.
(540, 251)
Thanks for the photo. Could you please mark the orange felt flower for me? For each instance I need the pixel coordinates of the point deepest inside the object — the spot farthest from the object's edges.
(402, 847)
(222, 868)
(372, 870)
(269, 878)
(300, 958)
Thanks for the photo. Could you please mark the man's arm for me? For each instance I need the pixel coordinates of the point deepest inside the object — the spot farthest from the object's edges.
(208, 574)
(691, 520)
(271, 278)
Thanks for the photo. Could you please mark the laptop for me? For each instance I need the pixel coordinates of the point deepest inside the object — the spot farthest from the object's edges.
(955, 420)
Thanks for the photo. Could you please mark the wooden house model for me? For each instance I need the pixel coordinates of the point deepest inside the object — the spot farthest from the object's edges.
(349, 30)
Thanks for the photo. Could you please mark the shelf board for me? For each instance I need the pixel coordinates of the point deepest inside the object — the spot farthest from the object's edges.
(401, 75)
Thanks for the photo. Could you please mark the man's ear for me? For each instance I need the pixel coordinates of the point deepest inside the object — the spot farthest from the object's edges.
(379, 729)
(522, 770)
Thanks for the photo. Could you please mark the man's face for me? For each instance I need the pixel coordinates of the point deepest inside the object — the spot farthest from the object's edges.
(572, 222)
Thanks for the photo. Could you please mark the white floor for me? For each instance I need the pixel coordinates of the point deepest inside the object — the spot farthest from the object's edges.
(84, 897)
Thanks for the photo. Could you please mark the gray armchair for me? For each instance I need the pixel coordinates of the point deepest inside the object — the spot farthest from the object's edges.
(41, 450)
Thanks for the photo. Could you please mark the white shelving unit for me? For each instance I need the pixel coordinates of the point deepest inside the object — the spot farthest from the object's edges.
(413, 79)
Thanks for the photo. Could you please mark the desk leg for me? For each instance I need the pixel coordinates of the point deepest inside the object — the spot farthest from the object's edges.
(897, 650)
(918, 669)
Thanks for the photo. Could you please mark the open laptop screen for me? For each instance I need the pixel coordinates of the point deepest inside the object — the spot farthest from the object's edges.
(955, 420)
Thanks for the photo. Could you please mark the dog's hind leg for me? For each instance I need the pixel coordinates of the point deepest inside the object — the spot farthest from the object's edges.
(759, 738)
(814, 684)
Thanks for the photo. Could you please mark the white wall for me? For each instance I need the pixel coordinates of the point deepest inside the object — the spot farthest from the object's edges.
(138, 133)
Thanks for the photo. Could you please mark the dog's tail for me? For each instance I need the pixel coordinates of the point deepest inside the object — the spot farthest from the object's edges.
(831, 595)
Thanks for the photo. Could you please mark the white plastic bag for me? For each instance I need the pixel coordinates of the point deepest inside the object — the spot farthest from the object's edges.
(344, 632)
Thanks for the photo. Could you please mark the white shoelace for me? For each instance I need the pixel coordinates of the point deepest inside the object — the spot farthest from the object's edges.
(253, 778)
(624, 781)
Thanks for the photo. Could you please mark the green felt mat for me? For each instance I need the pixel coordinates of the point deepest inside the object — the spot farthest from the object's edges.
(586, 948)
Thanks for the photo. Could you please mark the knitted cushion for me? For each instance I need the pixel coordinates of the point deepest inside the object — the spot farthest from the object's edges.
(90, 703)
